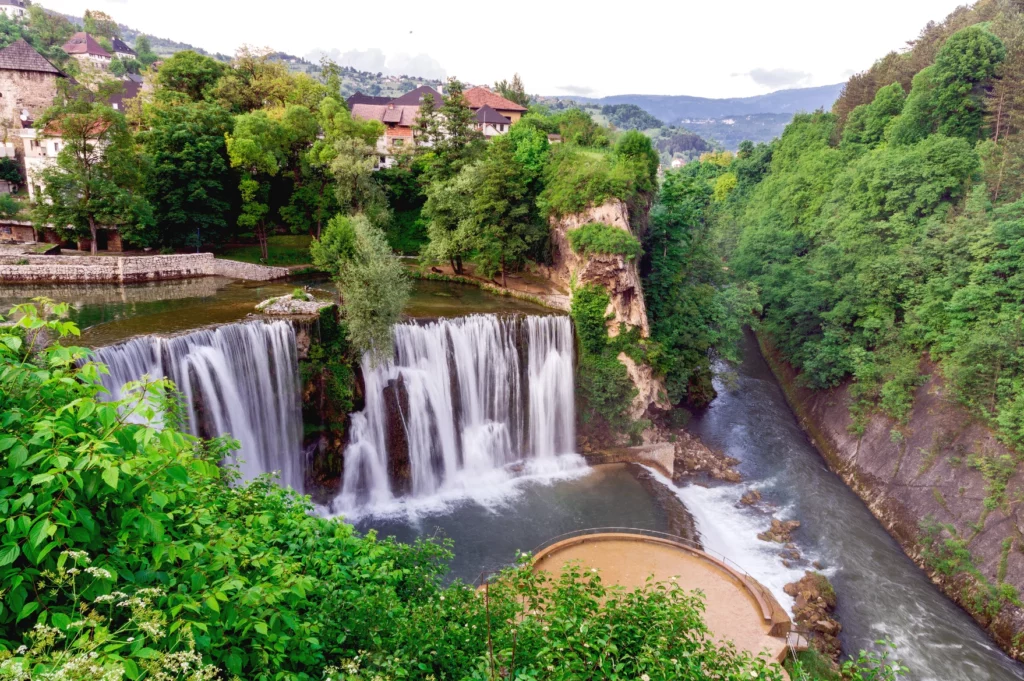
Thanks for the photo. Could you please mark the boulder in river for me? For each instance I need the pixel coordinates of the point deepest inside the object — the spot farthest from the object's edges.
(813, 612)
(750, 498)
(780, 532)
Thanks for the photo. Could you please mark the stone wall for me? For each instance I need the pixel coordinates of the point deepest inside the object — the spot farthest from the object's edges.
(24, 90)
(130, 269)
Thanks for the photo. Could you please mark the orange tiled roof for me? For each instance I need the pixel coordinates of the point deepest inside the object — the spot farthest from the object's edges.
(53, 128)
(481, 96)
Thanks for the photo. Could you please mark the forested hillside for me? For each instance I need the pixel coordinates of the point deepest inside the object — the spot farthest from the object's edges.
(891, 231)
(894, 226)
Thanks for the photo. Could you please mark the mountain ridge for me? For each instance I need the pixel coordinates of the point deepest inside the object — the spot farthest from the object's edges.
(676, 108)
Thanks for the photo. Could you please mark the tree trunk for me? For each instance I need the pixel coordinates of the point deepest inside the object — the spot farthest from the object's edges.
(504, 284)
(261, 236)
(92, 229)
(458, 265)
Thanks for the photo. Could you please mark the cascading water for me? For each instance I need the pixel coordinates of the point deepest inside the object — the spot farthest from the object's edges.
(461, 401)
(240, 380)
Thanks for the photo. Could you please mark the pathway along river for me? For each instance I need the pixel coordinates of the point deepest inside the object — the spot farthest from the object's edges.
(881, 592)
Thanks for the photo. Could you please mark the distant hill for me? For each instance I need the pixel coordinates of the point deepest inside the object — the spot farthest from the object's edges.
(729, 131)
(726, 121)
(675, 108)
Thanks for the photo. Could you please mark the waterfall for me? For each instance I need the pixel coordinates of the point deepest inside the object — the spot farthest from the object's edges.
(462, 400)
(240, 380)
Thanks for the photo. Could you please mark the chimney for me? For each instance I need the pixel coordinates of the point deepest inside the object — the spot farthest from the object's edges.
(440, 90)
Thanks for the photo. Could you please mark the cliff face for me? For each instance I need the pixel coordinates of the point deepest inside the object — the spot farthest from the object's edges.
(942, 465)
(621, 278)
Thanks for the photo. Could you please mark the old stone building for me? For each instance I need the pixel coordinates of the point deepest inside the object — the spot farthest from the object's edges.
(28, 86)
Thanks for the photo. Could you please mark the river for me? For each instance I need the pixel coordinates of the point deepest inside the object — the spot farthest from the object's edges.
(882, 593)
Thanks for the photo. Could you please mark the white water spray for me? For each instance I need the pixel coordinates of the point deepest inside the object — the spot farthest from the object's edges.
(240, 380)
(462, 401)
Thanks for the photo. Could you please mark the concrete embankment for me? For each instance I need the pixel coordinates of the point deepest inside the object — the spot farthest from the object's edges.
(942, 485)
(31, 269)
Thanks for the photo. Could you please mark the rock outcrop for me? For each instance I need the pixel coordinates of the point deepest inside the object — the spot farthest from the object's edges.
(941, 469)
(694, 459)
(615, 273)
(620, 277)
(780, 532)
(815, 602)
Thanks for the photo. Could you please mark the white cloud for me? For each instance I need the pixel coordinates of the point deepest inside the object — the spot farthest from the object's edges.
(780, 43)
(780, 78)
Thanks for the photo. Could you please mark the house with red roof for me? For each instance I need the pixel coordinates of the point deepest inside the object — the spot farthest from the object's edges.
(398, 117)
(479, 97)
(493, 113)
(86, 50)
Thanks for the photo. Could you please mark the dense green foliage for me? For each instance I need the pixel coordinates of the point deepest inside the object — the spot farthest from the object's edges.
(630, 117)
(186, 185)
(127, 554)
(578, 178)
(603, 387)
(877, 241)
(692, 310)
(603, 239)
(373, 283)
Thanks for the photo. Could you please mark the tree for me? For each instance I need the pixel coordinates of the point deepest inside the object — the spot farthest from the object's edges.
(373, 283)
(347, 151)
(254, 81)
(310, 199)
(504, 210)
(189, 180)
(96, 180)
(10, 171)
(514, 91)
(868, 122)
(190, 74)
(451, 229)
(256, 147)
(949, 96)
(52, 30)
(450, 136)
(964, 68)
(120, 67)
(577, 127)
(144, 51)
(100, 24)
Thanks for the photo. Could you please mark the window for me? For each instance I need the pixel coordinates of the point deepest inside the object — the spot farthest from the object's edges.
(398, 142)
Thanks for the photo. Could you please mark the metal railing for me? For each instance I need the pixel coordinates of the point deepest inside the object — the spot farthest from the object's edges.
(751, 581)
(793, 637)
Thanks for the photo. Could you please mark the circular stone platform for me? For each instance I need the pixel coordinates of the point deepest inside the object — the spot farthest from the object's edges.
(739, 609)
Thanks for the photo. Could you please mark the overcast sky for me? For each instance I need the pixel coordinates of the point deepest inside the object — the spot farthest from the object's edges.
(691, 47)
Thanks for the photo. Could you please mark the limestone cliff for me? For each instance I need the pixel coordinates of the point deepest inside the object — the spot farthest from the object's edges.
(941, 465)
(621, 278)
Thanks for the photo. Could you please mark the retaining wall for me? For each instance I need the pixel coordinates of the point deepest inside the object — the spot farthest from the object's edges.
(127, 269)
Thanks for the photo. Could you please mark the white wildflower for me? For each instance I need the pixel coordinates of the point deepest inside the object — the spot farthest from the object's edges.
(99, 573)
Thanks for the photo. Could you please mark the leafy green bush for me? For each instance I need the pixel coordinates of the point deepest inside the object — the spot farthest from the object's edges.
(604, 239)
(9, 207)
(604, 388)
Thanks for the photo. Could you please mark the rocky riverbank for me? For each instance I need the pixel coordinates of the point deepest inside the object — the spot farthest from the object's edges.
(942, 485)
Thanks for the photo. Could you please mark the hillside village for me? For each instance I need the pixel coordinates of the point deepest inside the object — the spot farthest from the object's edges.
(110, 71)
